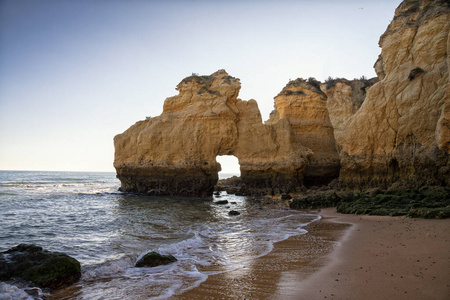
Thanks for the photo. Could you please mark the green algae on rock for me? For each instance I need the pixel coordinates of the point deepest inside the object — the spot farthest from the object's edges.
(41, 267)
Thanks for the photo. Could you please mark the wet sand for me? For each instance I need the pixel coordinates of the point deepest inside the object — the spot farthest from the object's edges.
(345, 257)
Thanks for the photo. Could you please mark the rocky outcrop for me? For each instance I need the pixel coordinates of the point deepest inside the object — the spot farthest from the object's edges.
(41, 267)
(400, 133)
(175, 153)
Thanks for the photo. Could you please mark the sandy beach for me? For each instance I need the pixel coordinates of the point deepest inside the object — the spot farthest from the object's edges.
(345, 257)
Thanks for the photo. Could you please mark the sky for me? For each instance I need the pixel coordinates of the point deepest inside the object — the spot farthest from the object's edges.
(74, 73)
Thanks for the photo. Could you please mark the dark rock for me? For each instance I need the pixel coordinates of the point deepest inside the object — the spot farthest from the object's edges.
(153, 259)
(232, 190)
(219, 188)
(217, 193)
(233, 213)
(240, 193)
(44, 268)
(221, 202)
(285, 197)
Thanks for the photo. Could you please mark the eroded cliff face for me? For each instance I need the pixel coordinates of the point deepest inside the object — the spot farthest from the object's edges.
(391, 130)
(344, 98)
(175, 153)
(304, 105)
(400, 133)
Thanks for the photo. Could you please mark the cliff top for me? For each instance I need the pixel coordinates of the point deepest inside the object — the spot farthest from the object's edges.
(415, 13)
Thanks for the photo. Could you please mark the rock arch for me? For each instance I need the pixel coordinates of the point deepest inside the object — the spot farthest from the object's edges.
(174, 153)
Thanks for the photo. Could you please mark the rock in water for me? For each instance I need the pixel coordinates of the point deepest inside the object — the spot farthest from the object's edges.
(41, 267)
(221, 202)
(153, 259)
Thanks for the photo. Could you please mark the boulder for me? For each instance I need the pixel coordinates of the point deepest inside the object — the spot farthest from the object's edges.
(153, 259)
(41, 267)
(221, 202)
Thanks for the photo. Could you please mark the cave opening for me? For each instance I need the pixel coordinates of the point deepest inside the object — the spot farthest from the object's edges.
(230, 166)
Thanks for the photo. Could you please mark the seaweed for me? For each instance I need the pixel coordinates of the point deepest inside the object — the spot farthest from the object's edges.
(428, 203)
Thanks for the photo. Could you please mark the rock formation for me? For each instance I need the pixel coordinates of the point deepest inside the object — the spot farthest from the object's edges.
(344, 98)
(394, 129)
(175, 153)
(304, 105)
(400, 133)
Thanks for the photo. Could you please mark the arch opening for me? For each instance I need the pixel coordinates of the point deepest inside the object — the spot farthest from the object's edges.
(230, 166)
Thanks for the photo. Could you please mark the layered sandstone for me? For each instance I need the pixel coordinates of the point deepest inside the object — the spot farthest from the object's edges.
(401, 132)
(304, 105)
(175, 153)
(344, 98)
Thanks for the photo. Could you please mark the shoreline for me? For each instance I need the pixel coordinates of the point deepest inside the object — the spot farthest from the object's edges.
(277, 274)
(345, 257)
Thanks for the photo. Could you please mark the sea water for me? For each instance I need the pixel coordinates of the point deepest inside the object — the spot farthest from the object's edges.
(85, 216)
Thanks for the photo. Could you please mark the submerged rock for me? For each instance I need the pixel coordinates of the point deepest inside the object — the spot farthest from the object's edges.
(44, 268)
(153, 259)
(221, 202)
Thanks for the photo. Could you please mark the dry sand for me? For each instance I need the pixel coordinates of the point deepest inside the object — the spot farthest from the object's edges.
(345, 257)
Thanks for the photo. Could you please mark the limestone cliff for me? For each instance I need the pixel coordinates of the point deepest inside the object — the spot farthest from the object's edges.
(401, 132)
(391, 130)
(175, 153)
(304, 105)
(344, 98)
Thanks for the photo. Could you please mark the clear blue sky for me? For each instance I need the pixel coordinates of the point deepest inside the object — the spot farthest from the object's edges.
(75, 73)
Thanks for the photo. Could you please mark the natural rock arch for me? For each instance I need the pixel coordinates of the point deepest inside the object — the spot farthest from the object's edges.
(174, 153)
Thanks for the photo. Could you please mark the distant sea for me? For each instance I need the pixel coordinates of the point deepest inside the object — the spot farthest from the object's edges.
(84, 216)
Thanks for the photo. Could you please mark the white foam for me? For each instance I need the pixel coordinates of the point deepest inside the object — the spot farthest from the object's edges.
(106, 269)
(12, 292)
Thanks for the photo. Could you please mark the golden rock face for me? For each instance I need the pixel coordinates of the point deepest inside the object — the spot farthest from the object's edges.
(175, 153)
(401, 132)
(394, 129)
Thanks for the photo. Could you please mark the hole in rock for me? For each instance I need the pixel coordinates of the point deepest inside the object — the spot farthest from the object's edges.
(230, 166)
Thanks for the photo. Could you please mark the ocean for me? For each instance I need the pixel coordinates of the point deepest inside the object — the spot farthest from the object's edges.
(84, 215)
